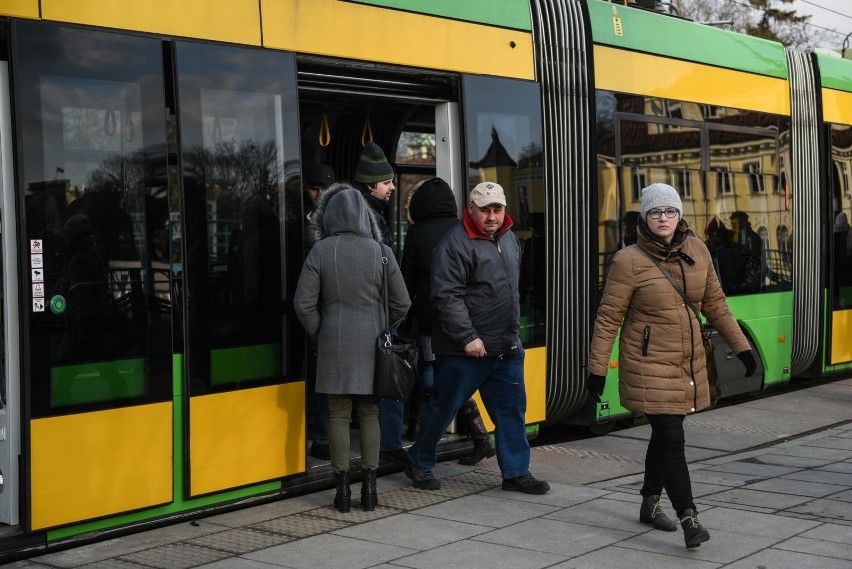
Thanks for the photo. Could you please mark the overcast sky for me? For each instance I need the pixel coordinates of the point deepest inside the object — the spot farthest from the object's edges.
(829, 14)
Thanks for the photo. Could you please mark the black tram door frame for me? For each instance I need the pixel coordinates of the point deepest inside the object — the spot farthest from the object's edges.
(10, 370)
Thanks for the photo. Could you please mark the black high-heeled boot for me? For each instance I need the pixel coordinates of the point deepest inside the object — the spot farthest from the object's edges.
(369, 498)
(343, 498)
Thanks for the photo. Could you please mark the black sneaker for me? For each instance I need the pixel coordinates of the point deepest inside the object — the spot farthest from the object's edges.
(422, 479)
(320, 451)
(396, 456)
(528, 484)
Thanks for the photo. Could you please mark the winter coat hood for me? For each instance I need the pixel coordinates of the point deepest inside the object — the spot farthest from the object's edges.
(348, 213)
(433, 198)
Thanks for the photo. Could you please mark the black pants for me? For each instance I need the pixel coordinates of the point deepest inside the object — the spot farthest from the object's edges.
(665, 462)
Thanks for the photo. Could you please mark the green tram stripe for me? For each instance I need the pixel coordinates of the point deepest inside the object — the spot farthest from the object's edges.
(245, 363)
(835, 73)
(513, 14)
(662, 35)
(97, 382)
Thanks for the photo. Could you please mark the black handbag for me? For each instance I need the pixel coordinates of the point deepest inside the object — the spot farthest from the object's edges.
(396, 358)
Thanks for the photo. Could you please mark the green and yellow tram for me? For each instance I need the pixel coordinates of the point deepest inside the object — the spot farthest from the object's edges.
(169, 140)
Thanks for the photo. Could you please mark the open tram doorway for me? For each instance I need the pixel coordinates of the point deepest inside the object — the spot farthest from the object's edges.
(411, 114)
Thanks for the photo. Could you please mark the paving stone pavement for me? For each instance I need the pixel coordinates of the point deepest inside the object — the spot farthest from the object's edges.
(779, 495)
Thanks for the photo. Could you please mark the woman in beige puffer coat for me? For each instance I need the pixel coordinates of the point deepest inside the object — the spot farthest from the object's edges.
(662, 368)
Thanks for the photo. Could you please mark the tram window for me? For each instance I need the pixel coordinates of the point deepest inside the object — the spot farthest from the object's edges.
(93, 161)
(504, 144)
(242, 199)
(841, 241)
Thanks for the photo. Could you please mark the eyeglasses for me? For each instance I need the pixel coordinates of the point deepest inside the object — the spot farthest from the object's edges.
(658, 213)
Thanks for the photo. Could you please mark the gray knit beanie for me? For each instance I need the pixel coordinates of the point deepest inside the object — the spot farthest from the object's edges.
(373, 166)
(660, 195)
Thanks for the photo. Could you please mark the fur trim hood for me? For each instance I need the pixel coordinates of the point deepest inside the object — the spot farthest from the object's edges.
(360, 219)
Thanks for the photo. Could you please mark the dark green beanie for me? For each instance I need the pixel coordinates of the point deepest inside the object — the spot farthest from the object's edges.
(372, 166)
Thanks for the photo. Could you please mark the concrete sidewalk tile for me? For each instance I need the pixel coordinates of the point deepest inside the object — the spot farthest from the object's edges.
(609, 514)
(781, 459)
(475, 554)
(114, 563)
(329, 552)
(616, 556)
(261, 513)
(842, 479)
(754, 523)
(840, 443)
(487, 511)
(831, 454)
(817, 547)
(830, 532)
(414, 531)
(844, 467)
(826, 509)
(723, 478)
(176, 556)
(538, 535)
(723, 547)
(767, 500)
(700, 489)
(794, 487)
(238, 563)
(846, 496)
(781, 559)
(753, 469)
(240, 540)
(560, 495)
(99, 551)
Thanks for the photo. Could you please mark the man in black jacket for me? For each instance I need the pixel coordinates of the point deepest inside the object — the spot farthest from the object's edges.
(474, 290)
(432, 210)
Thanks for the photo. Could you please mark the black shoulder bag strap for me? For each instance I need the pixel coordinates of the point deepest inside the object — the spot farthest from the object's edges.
(386, 332)
(668, 275)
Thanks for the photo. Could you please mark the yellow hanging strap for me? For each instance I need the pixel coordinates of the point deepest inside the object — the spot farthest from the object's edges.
(367, 131)
(324, 135)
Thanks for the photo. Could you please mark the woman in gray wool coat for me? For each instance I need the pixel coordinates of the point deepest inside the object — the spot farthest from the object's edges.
(339, 301)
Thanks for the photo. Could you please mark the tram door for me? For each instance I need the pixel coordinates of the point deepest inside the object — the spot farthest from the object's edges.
(10, 434)
(241, 206)
(96, 350)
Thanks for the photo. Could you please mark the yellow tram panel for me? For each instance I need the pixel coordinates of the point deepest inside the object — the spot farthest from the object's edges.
(354, 31)
(246, 436)
(19, 8)
(837, 106)
(641, 73)
(841, 340)
(96, 464)
(535, 380)
(236, 21)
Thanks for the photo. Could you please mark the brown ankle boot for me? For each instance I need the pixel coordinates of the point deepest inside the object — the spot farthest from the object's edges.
(694, 533)
(652, 513)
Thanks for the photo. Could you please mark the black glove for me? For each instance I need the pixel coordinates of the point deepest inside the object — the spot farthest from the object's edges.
(747, 357)
(595, 386)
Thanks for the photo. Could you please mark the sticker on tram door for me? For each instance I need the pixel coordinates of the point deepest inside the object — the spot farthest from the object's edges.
(38, 290)
(38, 305)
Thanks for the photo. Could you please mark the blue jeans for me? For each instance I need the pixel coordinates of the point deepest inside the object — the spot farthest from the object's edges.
(390, 423)
(500, 381)
(319, 410)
